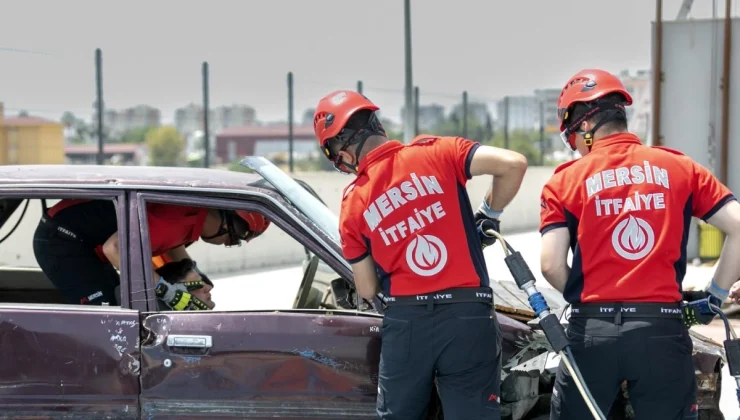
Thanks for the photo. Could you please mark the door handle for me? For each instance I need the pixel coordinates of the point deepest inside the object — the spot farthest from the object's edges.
(190, 341)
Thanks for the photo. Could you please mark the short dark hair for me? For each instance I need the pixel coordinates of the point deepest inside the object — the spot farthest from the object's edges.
(357, 121)
(176, 271)
(617, 120)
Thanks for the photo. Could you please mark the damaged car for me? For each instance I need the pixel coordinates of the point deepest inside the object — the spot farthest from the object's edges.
(315, 355)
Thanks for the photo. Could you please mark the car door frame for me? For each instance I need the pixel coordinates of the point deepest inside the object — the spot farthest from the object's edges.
(270, 205)
(124, 405)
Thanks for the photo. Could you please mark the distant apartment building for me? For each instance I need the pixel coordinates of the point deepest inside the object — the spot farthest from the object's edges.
(30, 140)
(523, 112)
(549, 99)
(189, 119)
(116, 122)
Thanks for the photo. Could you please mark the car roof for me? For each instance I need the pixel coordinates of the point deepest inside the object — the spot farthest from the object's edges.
(142, 177)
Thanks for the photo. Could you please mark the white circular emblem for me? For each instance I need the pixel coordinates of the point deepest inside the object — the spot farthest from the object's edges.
(633, 238)
(426, 255)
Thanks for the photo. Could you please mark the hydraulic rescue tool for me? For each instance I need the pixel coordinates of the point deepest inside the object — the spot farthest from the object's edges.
(549, 322)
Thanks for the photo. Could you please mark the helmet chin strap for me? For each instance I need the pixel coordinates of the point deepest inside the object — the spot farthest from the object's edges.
(358, 150)
(608, 115)
(373, 128)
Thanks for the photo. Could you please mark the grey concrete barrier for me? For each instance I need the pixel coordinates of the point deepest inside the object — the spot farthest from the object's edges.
(275, 248)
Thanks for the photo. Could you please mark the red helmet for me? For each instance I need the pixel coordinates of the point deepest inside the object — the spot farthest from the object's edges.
(586, 86)
(258, 224)
(333, 112)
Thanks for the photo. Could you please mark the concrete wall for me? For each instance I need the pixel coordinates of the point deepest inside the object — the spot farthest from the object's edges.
(275, 248)
(691, 96)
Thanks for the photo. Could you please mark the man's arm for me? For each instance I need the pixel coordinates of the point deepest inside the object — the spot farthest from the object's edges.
(366, 279)
(508, 169)
(178, 254)
(554, 257)
(111, 251)
(727, 219)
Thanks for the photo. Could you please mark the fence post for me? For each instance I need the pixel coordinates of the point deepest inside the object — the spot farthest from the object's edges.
(506, 122)
(290, 121)
(206, 112)
(99, 103)
(416, 111)
(542, 133)
(465, 113)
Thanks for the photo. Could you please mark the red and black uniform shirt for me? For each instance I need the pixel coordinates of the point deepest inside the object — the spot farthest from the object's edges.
(408, 208)
(628, 208)
(95, 221)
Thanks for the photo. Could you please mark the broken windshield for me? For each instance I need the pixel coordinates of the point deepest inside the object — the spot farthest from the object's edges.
(312, 207)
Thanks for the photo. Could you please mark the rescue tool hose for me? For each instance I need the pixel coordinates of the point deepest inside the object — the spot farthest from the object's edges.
(550, 323)
(732, 349)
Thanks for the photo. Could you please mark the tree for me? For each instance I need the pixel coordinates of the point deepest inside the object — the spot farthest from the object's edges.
(135, 135)
(68, 119)
(166, 146)
(79, 130)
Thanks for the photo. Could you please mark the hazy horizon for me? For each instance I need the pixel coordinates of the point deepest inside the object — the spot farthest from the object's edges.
(152, 51)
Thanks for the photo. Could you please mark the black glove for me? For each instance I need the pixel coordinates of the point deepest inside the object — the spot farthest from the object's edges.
(484, 223)
(697, 310)
(177, 296)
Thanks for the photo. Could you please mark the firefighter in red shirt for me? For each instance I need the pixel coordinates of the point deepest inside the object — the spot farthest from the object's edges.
(76, 246)
(624, 209)
(409, 231)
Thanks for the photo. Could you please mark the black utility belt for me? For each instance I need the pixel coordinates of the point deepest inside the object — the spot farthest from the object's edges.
(626, 310)
(456, 295)
(60, 230)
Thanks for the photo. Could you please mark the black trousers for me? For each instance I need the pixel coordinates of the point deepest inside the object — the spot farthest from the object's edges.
(654, 356)
(74, 268)
(458, 344)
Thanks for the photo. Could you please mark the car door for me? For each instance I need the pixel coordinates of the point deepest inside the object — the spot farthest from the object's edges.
(292, 364)
(63, 360)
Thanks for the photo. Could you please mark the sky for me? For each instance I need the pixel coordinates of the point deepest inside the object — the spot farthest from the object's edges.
(153, 50)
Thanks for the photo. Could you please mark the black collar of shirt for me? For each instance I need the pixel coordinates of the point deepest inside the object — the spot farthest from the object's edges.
(379, 153)
(619, 138)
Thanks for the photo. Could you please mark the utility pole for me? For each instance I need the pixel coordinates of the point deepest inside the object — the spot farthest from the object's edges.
(206, 131)
(416, 111)
(506, 122)
(290, 121)
(542, 133)
(99, 102)
(408, 126)
(465, 114)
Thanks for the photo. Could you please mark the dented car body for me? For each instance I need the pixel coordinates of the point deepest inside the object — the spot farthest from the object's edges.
(317, 360)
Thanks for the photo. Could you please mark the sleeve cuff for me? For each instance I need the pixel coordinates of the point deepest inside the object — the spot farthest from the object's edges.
(357, 259)
(552, 226)
(469, 160)
(726, 199)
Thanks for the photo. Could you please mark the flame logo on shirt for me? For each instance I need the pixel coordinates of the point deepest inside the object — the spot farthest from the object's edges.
(633, 238)
(426, 255)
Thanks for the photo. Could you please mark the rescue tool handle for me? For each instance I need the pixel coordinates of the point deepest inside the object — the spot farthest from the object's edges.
(553, 329)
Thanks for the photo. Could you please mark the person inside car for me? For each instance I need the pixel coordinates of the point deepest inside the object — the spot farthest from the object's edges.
(76, 245)
(183, 274)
